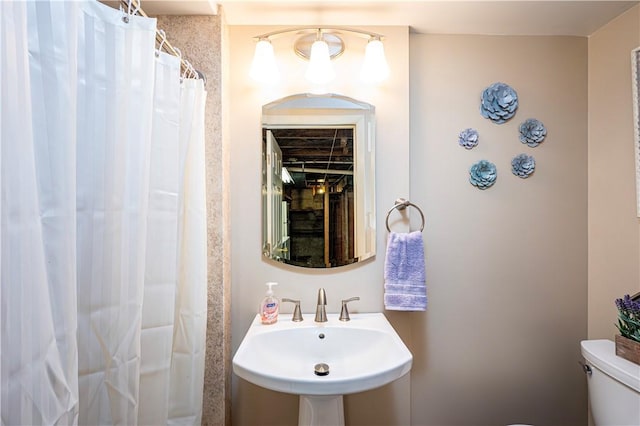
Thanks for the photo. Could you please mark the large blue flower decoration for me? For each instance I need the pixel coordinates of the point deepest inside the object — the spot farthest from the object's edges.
(468, 138)
(498, 103)
(483, 174)
(532, 132)
(523, 165)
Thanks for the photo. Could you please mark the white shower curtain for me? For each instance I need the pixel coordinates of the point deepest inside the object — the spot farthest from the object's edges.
(39, 381)
(189, 337)
(162, 244)
(103, 233)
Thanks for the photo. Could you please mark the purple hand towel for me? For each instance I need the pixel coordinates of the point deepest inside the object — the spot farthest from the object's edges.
(404, 273)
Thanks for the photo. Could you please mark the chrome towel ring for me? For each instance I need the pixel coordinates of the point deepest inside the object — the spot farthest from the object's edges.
(402, 204)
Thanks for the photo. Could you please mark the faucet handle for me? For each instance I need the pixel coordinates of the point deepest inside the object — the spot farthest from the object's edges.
(297, 313)
(344, 312)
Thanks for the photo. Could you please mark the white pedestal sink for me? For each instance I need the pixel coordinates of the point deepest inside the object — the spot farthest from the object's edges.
(356, 356)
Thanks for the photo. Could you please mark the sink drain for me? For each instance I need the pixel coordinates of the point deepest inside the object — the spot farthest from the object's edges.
(321, 369)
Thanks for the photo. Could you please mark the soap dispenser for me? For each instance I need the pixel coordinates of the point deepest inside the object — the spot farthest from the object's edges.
(270, 306)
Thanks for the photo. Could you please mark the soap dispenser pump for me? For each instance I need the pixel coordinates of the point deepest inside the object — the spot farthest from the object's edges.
(270, 306)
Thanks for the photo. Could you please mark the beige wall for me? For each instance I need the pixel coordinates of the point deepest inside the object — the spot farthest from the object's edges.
(507, 271)
(614, 234)
(253, 405)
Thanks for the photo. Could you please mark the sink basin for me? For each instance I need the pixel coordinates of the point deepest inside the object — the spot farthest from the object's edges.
(361, 354)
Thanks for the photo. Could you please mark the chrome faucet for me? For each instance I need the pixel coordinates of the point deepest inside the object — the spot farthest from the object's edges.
(321, 313)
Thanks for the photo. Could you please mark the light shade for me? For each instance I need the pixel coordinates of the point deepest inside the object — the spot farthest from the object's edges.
(264, 68)
(374, 68)
(320, 70)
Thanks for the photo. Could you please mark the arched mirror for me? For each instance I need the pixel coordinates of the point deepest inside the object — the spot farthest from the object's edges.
(318, 181)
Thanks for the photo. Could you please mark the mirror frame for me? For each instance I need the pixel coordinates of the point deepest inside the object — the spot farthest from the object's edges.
(310, 110)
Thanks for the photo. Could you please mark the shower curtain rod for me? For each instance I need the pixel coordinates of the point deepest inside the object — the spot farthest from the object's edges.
(185, 66)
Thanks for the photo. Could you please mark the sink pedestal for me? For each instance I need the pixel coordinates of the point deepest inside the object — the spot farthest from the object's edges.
(321, 410)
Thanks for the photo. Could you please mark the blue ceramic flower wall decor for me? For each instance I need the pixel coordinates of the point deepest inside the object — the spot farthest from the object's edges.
(483, 174)
(532, 132)
(468, 138)
(523, 165)
(498, 102)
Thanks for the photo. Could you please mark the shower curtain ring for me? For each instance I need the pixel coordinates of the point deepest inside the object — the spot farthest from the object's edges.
(125, 16)
(129, 7)
(163, 37)
(130, 11)
(191, 69)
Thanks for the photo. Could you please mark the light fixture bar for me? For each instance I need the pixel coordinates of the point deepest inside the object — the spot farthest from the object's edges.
(314, 29)
(319, 45)
(302, 45)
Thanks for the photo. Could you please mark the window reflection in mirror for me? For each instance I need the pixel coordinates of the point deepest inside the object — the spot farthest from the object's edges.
(318, 181)
(317, 195)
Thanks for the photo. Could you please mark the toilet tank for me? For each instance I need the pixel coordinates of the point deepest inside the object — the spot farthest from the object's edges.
(614, 385)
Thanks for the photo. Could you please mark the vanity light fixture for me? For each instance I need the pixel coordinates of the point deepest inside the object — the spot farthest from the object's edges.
(264, 68)
(374, 68)
(319, 45)
(320, 71)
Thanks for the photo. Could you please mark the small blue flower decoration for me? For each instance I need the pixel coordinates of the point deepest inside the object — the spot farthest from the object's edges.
(498, 103)
(468, 138)
(523, 165)
(532, 132)
(483, 174)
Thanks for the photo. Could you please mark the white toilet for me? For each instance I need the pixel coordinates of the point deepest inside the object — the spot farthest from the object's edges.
(613, 383)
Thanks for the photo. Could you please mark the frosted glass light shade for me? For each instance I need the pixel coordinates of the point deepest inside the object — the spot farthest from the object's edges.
(320, 70)
(374, 68)
(264, 68)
